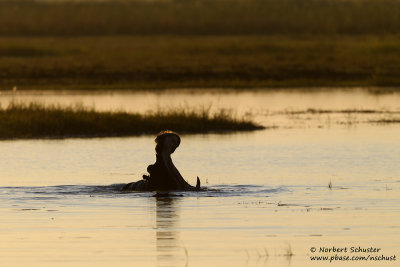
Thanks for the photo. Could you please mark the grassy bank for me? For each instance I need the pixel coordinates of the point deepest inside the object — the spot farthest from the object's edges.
(198, 17)
(154, 62)
(139, 44)
(34, 120)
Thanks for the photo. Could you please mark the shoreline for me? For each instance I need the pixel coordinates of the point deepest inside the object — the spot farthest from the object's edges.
(39, 121)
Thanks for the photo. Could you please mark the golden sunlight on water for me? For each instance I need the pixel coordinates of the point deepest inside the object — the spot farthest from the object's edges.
(192, 231)
(273, 196)
(239, 101)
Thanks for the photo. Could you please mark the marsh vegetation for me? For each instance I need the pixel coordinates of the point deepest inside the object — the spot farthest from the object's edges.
(198, 17)
(35, 120)
(198, 44)
(156, 62)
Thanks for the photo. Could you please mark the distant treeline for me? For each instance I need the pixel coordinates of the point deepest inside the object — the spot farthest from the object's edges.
(198, 17)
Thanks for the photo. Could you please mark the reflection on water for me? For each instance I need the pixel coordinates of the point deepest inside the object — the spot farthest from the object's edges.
(226, 226)
(268, 190)
(281, 108)
(241, 101)
(167, 235)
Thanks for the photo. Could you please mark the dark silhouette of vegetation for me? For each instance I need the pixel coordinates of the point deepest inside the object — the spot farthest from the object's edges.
(153, 62)
(139, 44)
(198, 17)
(34, 120)
(386, 121)
(342, 111)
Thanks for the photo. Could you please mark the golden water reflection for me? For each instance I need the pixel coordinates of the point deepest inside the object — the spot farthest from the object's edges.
(167, 235)
(293, 209)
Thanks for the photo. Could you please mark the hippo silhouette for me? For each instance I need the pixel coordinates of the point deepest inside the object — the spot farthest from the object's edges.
(163, 175)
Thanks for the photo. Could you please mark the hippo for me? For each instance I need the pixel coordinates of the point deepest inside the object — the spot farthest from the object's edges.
(163, 175)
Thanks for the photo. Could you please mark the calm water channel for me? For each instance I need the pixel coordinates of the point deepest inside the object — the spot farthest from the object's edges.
(312, 180)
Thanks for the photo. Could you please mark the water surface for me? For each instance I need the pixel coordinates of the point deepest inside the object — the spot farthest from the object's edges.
(267, 200)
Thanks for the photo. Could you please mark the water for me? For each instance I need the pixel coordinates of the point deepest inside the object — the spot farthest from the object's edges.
(240, 101)
(267, 200)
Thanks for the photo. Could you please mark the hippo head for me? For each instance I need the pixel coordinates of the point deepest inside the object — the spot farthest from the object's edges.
(167, 142)
(163, 173)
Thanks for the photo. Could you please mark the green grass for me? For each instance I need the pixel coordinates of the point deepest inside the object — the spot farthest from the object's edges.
(35, 120)
(157, 62)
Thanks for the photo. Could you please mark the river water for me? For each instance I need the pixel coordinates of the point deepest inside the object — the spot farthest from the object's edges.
(312, 180)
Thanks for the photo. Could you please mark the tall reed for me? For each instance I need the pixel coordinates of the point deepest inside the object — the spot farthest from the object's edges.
(35, 120)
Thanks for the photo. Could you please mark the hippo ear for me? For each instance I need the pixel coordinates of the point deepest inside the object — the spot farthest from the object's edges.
(198, 183)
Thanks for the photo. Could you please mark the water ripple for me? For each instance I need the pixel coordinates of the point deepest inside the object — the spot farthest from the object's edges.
(114, 190)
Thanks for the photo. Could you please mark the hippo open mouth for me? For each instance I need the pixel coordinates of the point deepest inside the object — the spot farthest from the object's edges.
(163, 175)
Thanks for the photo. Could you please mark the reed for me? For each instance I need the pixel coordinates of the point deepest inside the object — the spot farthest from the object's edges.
(35, 120)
